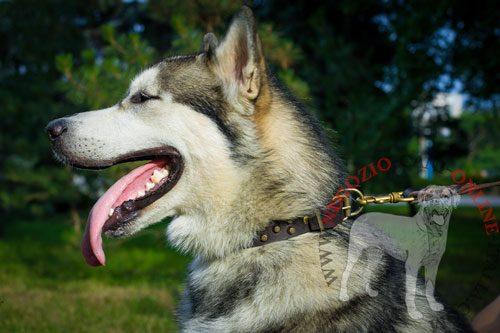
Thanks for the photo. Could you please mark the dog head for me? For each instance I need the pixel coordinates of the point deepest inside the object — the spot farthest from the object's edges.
(216, 146)
(438, 202)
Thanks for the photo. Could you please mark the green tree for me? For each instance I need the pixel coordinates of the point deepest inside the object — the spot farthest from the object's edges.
(99, 76)
(32, 33)
(369, 63)
(362, 67)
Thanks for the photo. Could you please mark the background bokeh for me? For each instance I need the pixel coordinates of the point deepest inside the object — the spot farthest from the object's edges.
(413, 81)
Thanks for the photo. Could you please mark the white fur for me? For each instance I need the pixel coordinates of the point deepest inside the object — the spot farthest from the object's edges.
(209, 181)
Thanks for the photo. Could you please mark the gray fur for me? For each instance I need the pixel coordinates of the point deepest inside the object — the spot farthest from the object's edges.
(209, 43)
(282, 287)
(255, 155)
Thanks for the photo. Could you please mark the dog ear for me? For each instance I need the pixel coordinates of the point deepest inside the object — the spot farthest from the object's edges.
(209, 44)
(422, 196)
(239, 58)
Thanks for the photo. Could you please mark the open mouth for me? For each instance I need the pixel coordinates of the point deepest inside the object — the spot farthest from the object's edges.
(116, 209)
(439, 215)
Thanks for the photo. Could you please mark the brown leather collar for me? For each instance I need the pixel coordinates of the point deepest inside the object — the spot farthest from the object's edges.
(334, 214)
(279, 230)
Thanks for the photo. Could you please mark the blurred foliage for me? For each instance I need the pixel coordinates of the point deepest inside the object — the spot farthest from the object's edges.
(362, 66)
(482, 138)
(101, 80)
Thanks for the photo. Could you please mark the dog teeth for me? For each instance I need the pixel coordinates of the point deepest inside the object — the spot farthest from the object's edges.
(149, 186)
(156, 177)
(141, 194)
(111, 211)
(159, 175)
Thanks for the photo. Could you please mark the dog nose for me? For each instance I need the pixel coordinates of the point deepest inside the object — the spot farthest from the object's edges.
(56, 128)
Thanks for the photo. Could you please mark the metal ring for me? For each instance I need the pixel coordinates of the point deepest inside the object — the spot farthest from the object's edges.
(361, 197)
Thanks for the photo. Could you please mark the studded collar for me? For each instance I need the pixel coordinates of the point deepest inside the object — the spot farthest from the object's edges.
(279, 230)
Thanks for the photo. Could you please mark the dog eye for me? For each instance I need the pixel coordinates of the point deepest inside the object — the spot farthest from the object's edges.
(139, 98)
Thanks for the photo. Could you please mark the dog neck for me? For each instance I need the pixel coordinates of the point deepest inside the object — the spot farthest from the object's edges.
(293, 173)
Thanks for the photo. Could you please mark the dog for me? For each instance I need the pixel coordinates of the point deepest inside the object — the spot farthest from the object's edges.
(229, 150)
(418, 241)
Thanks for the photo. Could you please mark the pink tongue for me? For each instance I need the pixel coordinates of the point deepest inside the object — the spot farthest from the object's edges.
(124, 189)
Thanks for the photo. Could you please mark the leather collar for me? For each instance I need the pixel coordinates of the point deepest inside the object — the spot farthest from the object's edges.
(336, 212)
(279, 230)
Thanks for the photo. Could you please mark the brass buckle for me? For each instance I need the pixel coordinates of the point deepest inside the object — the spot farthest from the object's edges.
(348, 208)
(320, 221)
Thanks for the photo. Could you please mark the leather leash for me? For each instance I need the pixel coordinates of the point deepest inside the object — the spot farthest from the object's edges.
(342, 206)
(468, 187)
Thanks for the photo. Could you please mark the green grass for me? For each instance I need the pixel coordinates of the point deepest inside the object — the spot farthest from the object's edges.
(45, 286)
(467, 263)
